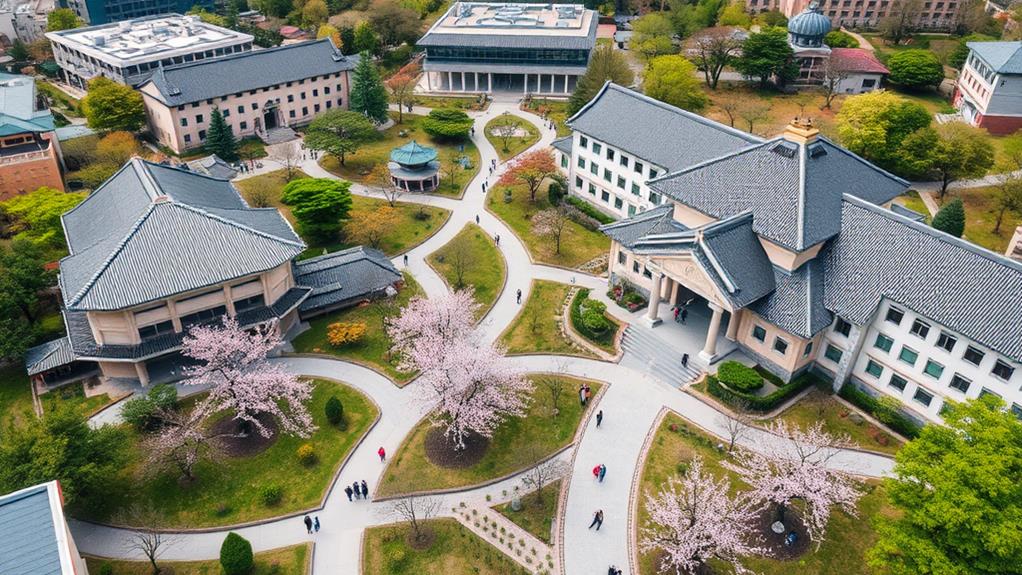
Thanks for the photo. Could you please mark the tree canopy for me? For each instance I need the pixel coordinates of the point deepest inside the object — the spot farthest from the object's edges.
(840, 39)
(62, 19)
(22, 279)
(915, 69)
(946, 153)
(652, 35)
(339, 133)
(320, 205)
(671, 79)
(767, 54)
(36, 215)
(957, 487)
(447, 123)
(109, 106)
(875, 125)
(950, 218)
(368, 94)
(395, 23)
(604, 64)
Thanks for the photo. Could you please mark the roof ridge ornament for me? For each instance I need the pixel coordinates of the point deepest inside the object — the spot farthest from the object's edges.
(800, 130)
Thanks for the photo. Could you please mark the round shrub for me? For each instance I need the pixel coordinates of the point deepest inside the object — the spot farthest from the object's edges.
(334, 410)
(272, 495)
(236, 555)
(342, 333)
(739, 377)
(306, 454)
(555, 193)
(594, 321)
(915, 69)
(447, 123)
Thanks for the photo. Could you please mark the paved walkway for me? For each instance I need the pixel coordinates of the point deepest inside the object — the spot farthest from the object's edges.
(631, 405)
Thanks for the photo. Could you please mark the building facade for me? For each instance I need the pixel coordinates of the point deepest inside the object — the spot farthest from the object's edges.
(526, 48)
(989, 89)
(130, 51)
(256, 92)
(932, 14)
(34, 535)
(97, 12)
(794, 247)
(30, 19)
(29, 150)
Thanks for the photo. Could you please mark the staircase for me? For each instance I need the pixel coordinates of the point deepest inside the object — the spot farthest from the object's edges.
(647, 352)
(277, 135)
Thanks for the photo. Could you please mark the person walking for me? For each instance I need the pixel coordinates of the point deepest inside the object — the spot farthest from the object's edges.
(597, 519)
(308, 524)
(358, 493)
(603, 472)
(382, 453)
(498, 239)
(684, 315)
(519, 297)
(684, 360)
(477, 219)
(588, 392)
(599, 418)
(348, 491)
(315, 524)
(582, 395)
(365, 490)
(677, 311)
(596, 471)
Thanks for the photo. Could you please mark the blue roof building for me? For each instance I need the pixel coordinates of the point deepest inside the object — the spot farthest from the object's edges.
(34, 537)
(414, 168)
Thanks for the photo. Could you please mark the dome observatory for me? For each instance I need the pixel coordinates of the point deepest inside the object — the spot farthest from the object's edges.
(414, 168)
(807, 29)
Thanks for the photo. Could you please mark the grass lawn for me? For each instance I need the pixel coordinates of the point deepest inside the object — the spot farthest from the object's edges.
(229, 491)
(821, 406)
(536, 328)
(15, 395)
(847, 538)
(517, 444)
(981, 215)
(535, 516)
(473, 254)
(284, 561)
(467, 103)
(372, 350)
(556, 110)
(454, 551)
(248, 149)
(912, 201)
(408, 231)
(357, 165)
(578, 244)
(74, 395)
(526, 135)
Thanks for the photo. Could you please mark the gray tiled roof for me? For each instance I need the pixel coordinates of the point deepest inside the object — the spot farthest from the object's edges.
(794, 190)
(797, 303)
(517, 40)
(880, 255)
(49, 355)
(245, 71)
(654, 131)
(152, 231)
(1003, 57)
(344, 277)
(213, 166)
(29, 543)
(659, 220)
(563, 145)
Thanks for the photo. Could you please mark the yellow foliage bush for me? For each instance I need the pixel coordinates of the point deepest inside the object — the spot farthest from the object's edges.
(342, 333)
(306, 454)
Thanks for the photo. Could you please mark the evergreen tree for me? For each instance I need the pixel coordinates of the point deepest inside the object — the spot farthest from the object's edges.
(220, 138)
(605, 64)
(368, 94)
(951, 218)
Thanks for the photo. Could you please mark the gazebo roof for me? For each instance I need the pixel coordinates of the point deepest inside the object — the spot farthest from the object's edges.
(412, 154)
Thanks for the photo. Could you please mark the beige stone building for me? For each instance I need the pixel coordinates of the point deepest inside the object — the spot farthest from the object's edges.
(257, 92)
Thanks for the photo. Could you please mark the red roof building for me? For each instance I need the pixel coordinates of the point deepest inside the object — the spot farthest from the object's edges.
(858, 60)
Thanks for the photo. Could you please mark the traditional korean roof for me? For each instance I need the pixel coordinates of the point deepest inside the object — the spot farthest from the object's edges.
(152, 231)
(413, 154)
(49, 355)
(797, 303)
(563, 145)
(33, 533)
(910, 214)
(857, 60)
(1003, 57)
(659, 220)
(656, 132)
(344, 277)
(213, 166)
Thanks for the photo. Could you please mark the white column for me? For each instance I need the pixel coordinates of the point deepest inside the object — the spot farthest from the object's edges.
(525, 89)
(710, 349)
(732, 325)
(652, 312)
(450, 81)
(565, 83)
(476, 81)
(553, 79)
(429, 87)
(489, 81)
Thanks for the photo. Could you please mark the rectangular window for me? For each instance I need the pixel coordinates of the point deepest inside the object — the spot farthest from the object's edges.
(605, 196)
(583, 141)
(581, 162)
(597, 148)
(946, 341)
(315, 93)
(639, 167)
(960, 383)
(151, 331)
(593, 168)
(922, 396)
(618, 203)
(875, 369)
(184, 122)
(646, 273)
(894, 315)
(564, 161)
(621, 183)
(254, 106)
(933, 369)
(883, 342)
(607, 175)
(808, 350)
(198, 118)
(248, 303)
(315, 108)
(635, 267)
(897, 382)
(843, 327)
(291, 114)
(908, 355)
(578, 183)
(227, 112)
(610, 154)
(623, 160)
(243, 125)
(759, 333)
(833, 354)
(920, 329)
(654, 199)
(631, 210)
(1002, 370)
(290, 98)
(305, 110)
(202, 135)
(592, 189)
(986, 391)
(635, 188)
(1016, 410)
(330, 104)
(188, 138)
(622, 258)
(241, 109)
(203, 316)
(780, 345)
(973, 355)
(652, 173)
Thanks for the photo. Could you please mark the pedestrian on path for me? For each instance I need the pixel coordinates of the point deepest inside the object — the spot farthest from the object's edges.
(684, 315)
(315, 524)
(599, 418)
(612, 570)
(308, 524)
(582, 395)
(477, 219)
(597, 519)
(677, 311)
(684, 360)
(406, 260)
(358, 493)
(589, 392)
(519, 297)
(348, 491)
(365, 490)
(603, 472)
(382, 453)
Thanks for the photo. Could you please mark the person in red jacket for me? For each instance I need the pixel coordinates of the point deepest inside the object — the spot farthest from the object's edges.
(382, 453)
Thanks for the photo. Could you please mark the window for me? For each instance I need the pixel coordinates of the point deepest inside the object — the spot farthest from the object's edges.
(985, 391)
(883, 342)
(315, 93)
(639, 167)
(843, 327)
(154, 330)
(922, 396)
(875, 369)
(631, 210)
(605, 196)
(597, 148)
(780, 345)
(583, 141)
(618, 203)
(592, 189)
(243, 125)
(315, 108)
(635, 188)
(622, 258)
(908, 355)
(833, 354)
(960, 383)
(301, 95)
(578, 183)
(290, 98)
(654, 199)
(897, 382)
(621, 182)
(198, 118)
(593, 168)
(807, 350)
(305, 110)
(326, 90)
(241, 109)
(291, 114)
(946, 341)
(227, 112)
(254, 106)
(635, 267)
(652, 173)
(607, 175)
(1002, 370)
(248, 303)
(188, 138)
(610, 154)
(933, 369)
(646, 273)
(623, 160)
(1016, 410)
(203, 316)
(564, 159)
(973, 355)
(581, 162)
(202, 134)
(759, 333)
(184, 122)
(894, 315)
(920, 329)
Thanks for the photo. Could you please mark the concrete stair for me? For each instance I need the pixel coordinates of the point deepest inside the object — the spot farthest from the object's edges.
(645, 351)
(278, 135)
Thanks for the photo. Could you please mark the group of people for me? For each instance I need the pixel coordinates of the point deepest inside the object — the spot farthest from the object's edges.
(358, 490)
(585, 393)
(680, 314)
(599, 472)
(311, 525)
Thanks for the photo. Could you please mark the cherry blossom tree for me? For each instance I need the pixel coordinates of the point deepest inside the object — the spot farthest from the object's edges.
(794, 467)
(426, 327)
(233, 363)
(181, 443)
(693, 520)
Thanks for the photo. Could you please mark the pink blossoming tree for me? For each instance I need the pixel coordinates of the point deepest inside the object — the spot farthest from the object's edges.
(425, 326)
(694, 520)
(181, 443)
(793, 467)
(233, 363)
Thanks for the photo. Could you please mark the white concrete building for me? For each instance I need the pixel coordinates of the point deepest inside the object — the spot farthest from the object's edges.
(128, 52)
(30, 19)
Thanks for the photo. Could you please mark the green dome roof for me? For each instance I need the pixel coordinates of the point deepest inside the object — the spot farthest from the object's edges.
(412, 154)
(809, 27)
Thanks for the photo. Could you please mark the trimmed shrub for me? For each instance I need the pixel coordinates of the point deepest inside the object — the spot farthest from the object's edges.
(140, 412)
(885, 412)
(555, 193)
(236, 555)
(334, 410)
(447, 123)
(588, 209)
(306, 454)
(342, 333)
(272, 495)
(739, 377)
(583, 314)
(766, 402)
(107, 568)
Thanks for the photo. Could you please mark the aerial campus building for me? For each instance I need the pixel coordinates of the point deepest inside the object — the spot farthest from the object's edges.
(527, 48)
(988, 93)
(29, 151)
(104, 11)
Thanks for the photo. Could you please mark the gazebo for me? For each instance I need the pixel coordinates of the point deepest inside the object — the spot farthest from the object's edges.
(414, 168)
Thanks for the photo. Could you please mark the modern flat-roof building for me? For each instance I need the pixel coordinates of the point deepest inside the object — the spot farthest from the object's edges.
(105, 11)
(256, 91)
(34, 536)
(29, 150)
(989, 89)
(527, 48)
(790, 252)
(129, 52)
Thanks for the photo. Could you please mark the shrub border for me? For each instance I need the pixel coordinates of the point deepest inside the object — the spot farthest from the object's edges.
(762, 403)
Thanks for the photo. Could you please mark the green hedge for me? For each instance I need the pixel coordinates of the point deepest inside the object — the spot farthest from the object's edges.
(588, 209)
(889, 417)
(766, 402)
(606, 337)
(739, 377)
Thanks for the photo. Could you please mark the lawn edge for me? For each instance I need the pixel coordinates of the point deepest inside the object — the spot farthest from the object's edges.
(450, 288)
(375, 368)
(634, 492)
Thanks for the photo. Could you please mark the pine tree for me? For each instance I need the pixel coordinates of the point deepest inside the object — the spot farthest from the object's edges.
(220, 138)
(951, 218)
(368, 95)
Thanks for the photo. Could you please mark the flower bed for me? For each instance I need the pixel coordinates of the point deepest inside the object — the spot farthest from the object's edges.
(625, 295)
(888, 415)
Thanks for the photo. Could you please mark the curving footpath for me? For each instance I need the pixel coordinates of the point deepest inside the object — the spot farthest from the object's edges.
(631, 406)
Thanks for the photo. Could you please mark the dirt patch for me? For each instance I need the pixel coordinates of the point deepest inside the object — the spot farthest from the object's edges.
(236, 443)
(426, 538)
(774, 542)
(442, 453)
